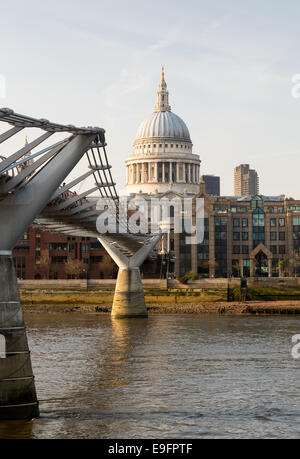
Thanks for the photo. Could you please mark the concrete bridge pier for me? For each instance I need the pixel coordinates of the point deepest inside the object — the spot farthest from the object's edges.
(18, 398)
(129, 299)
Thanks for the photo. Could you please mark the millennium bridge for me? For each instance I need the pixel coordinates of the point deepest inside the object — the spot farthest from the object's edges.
(33, 189)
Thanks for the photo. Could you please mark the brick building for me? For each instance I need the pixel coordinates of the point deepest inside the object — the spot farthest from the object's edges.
(37, 245)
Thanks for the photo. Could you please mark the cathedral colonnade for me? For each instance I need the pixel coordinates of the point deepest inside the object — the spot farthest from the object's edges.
(172, 171)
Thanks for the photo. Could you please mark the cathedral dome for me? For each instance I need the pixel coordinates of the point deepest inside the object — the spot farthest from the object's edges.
(163, 124)
(163, 157)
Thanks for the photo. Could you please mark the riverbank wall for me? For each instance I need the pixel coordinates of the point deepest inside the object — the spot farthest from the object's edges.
(159, 292)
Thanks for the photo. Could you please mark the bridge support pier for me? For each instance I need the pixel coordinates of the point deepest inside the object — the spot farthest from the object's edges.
(18, 398)
(128, 254)
(129, 299)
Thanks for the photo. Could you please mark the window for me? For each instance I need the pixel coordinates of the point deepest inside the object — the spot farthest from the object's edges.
(220, 221)
(258, 236)
(281, 221)
(236, 249)
(273, 249)
(282, 236)
(280, 210)
(271, 210)
(273, 236)
(258, 217)
(236, 236)
(220, 235)
(256, 203)
(272, 221)
(236, 222)
(245, 236)
(245, 222)
(296, 221)
(220, 209)
(58, 246)
(96, 246)
(245, 249)
(282, 249)
(85, 247)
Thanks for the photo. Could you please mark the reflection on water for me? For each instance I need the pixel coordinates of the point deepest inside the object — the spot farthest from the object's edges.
(162, 377)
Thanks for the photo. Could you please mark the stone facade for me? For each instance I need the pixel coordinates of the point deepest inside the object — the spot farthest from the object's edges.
(253, 236)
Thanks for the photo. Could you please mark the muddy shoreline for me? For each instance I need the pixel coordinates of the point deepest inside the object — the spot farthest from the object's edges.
(248, 307)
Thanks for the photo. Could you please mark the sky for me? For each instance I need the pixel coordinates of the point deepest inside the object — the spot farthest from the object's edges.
(228, 64)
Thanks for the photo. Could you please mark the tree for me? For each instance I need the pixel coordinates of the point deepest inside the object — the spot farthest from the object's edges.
(236, 268)
(107, 266)
(44, 265)
(74, 267)
(282, 266)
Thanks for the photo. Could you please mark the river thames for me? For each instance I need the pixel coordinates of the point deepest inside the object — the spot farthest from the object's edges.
(163, 377)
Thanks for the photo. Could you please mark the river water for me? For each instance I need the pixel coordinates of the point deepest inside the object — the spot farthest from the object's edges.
(163, 377)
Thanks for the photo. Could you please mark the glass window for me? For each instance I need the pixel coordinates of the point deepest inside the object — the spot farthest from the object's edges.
(258, 217)
(256, 203)
(281, 221)
(236, 249)
(273, 236)
(245, 222)
(273, 249)
(236, 222)
(258, 236)
(220, 209)
(220, 221)
(245, 236)
(272, 221)
(282, 236)
(236, 236)
(282, 249)
(296, 221)
(245, 249)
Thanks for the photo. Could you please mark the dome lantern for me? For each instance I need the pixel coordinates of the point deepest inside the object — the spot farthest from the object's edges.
(162, 95)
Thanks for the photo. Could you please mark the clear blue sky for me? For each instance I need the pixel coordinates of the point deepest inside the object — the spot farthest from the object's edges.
(228, 67)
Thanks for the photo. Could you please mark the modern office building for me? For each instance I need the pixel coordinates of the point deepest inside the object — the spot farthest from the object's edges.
(212, 184)
(251, 236)
(246, 181)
